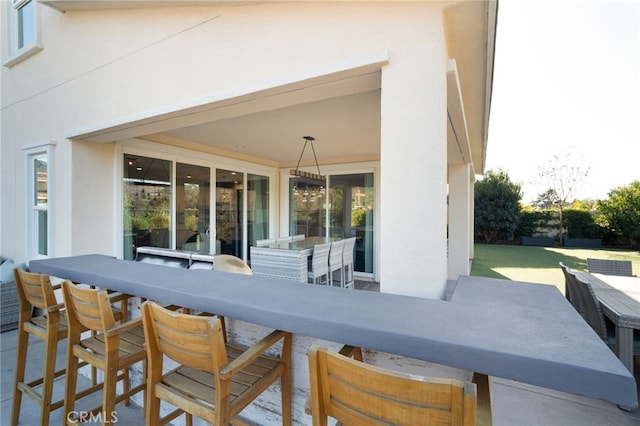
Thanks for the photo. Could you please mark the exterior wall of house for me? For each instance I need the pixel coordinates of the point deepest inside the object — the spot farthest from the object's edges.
(134, 62)
(459, 225)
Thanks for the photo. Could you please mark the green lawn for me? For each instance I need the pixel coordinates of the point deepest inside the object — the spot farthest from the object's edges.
(540, 264)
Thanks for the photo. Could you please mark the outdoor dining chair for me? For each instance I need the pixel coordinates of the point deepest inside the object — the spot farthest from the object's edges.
(112, 347)
(347, 261)
(214, 379)
(593, 315)
(335, 261)
(357, 394)
(265, 242)
(570, 290)
(319, 271)
(610, 267)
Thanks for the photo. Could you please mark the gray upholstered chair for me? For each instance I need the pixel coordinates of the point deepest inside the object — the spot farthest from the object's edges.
(570, 284)
(593, 315)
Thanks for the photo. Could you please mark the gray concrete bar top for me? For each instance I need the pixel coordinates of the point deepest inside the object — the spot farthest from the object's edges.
(526, 332)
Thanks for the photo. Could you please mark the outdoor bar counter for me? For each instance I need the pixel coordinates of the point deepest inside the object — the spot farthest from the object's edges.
(524, 332)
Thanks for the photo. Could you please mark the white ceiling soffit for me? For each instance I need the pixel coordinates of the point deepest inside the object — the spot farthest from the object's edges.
(471, 33)
(458, 147)
(357, 76)
(68, 5)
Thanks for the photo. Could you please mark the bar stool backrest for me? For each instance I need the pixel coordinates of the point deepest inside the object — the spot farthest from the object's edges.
(34, 290)
(88, 308)
(361, 394)
(320, 261)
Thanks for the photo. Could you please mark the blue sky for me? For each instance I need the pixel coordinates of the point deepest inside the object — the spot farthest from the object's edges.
(567, 79)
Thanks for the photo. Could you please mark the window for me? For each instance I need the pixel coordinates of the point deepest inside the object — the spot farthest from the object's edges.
(39, 199)
(22, 28)
(170, 204)
(26, 22)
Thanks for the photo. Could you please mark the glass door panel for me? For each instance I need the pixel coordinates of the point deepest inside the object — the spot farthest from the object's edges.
(146, 203)
(229, 208)
(193, 185)
(351, 214)
(257, 208)
(307, 204)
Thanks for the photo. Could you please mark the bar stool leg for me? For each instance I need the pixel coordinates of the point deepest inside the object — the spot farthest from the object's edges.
(109, 390)
(48, 377)
(71, 382)
(21, 359)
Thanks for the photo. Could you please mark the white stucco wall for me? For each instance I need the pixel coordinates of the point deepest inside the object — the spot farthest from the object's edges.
(129, 64)
(460, 198)
(414, 165)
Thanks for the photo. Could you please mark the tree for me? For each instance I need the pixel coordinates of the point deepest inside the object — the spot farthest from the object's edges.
(564, 174)
(621, 212)
(546, 200)
(497, 205)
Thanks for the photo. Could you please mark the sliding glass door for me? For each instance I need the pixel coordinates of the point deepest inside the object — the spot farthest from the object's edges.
(168, 204)
(351, 214)
(146, 203)
(193, 186)
(345, 210)
(229, 212)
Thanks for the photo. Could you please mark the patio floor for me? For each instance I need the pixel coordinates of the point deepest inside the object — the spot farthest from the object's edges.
(513, 403)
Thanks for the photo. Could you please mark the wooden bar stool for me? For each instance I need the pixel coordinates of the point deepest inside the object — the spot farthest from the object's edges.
(112, 347)
(356, 393)
(49, 324)
(36, 291)
(214, 379)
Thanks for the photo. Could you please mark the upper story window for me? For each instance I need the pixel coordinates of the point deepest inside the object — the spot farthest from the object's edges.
(26, 22)
(22, 31)
(39, 201)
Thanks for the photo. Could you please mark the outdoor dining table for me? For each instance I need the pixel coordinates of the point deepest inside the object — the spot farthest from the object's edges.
(519, 331)
(619, 298)
(287, 260)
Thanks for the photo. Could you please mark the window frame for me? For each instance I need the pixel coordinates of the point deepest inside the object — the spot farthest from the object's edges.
(197, 158)
(14, 53)
(32, 208)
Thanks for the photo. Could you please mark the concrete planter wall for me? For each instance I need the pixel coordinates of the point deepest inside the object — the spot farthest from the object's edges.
(583, 242)
(537, 241)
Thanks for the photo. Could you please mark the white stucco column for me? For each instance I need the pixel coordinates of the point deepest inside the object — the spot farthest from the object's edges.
(414, 168)
(459, 224)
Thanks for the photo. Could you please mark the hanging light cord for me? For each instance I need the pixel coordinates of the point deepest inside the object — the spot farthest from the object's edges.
(308, 139)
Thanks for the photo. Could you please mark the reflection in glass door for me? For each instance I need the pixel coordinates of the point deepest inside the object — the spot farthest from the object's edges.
(351, 214)
(307, 204)
(193, 184)
(229, 208)
(146, 203)
(345, 210)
